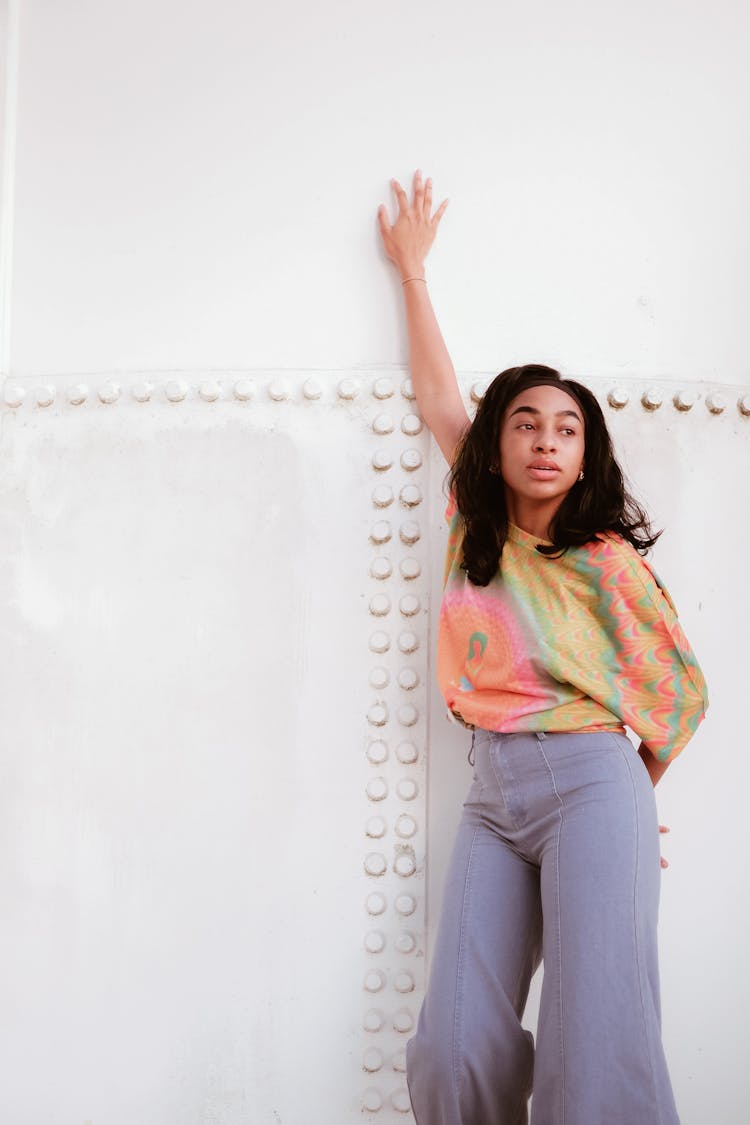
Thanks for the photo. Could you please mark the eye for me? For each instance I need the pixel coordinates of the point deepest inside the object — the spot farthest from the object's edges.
(568, 430)
(525, 424)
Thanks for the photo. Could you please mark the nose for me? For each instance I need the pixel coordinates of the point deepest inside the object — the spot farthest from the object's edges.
(544, 441)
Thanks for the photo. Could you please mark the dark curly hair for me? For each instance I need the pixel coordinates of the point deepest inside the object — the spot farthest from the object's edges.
(600, 502)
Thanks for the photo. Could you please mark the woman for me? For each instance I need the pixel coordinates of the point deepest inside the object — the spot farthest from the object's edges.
(554, 632)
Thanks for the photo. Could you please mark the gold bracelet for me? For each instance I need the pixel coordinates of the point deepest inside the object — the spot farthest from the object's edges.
(414, 279)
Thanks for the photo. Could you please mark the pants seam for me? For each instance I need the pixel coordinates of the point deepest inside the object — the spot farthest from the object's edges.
(455, 1046)
(638, 958)
(559, 935)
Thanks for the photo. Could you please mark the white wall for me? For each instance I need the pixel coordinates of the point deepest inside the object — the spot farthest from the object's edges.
(189, 196)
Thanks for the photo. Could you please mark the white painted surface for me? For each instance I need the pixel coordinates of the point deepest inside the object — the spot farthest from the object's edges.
(189, 198)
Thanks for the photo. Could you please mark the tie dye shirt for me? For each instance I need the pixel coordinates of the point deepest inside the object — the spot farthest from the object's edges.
(585, 642)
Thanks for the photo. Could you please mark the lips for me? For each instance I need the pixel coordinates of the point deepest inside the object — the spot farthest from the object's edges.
(551, 465)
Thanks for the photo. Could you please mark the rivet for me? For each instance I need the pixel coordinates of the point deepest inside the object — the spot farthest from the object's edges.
(109, 392)
(406, 826)
(400, 1101)
(381, 460)
(377, 789)
(382, 496)
(374, 941)
(399, 1060)
(243, 389)
(379, 678)
(411, 424)
(375, 980)
(175, 390)
(411, 459)
(312, 389)
(407, 789)
(45, 395)
(77, 394)
(380, 605)
(403, 1021)
(381, 568)
(618, 397)
(376, 827)
(405, 905)
(651, 399)
(279, 390)
(410, 495)
(408, 642)
(409, 605)
(410, 568)
(348, 388)
(383, 424)
(716, 403)
(375, 903)
(404, 982)
(372, 1101)
(383, 388)
(743, 404)
(479, 389)
(406, 942)
(405, 864)
(372, 1059)
(407, 753)
(381, 532)
(407, 715)
(408, 678)
(14, 394)
(373, 1020)
(141, 390)
(377, 752)
(377, 716)
(684, 400)
(407, 389)
(379, 642)
(375, 864)
(209, 390)
(409, 532)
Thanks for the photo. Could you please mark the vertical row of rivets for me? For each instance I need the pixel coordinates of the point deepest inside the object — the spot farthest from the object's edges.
(394, 752)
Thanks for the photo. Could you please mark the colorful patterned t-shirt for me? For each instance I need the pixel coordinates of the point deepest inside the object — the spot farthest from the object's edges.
(588, 641)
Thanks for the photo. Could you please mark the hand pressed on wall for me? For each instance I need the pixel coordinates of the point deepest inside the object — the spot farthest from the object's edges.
(408, 241)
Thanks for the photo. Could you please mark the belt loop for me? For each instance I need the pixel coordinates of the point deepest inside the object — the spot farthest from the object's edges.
(471, 748)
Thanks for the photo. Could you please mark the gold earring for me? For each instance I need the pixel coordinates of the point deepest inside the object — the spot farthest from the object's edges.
(580, 475)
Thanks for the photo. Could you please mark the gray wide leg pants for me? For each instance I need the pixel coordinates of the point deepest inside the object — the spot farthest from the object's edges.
(557, 857)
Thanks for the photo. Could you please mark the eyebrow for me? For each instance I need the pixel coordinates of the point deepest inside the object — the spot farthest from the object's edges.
(558, 413)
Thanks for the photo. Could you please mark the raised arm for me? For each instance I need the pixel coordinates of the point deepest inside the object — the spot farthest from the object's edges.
(407, 243)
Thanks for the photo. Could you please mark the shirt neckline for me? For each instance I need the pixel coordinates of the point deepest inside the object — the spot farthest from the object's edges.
(518, 535)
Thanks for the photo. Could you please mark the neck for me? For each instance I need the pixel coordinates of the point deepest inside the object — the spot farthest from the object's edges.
(532, 516)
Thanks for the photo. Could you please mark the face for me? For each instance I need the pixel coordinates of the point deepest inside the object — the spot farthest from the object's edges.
(541, 447)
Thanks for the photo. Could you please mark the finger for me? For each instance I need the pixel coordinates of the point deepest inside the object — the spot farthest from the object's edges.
(664, 862)
(403, 201)
(440, 212)
(663, 828)
(418, 192)
(427, 197)
(385, 226)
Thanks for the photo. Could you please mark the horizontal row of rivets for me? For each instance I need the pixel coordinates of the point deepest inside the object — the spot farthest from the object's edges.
(380, 642)
(411, 424)
(409, 496)
(378, 715)
(409, 532)
(373, 1058)
(375, 1020)
(406, 752)
(375, 942)
(404, 863)
(405, 827)
(407, 678)
(377, 789)
(376, 904)
(380, 605)
(651, 399)
(382, 568)
(376, 980)
(409, 460)
(372, 1101)
(176, 390)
